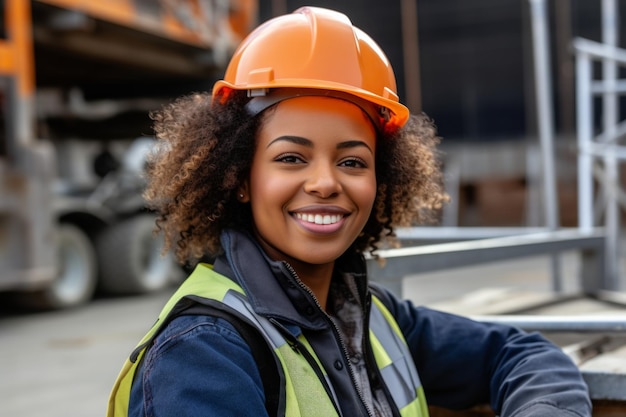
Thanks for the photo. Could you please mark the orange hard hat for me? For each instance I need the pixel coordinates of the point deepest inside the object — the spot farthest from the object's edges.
(315, 51)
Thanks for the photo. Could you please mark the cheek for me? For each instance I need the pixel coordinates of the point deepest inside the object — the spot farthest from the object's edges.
(365, 194)
(268, 188)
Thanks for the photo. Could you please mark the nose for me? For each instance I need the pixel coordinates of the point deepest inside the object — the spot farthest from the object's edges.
(323, 181)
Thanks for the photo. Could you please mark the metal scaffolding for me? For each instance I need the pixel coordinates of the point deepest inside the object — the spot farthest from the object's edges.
(600, 195)
(598, 160)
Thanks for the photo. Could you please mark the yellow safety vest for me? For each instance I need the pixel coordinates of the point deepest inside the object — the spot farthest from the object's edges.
(305, 394)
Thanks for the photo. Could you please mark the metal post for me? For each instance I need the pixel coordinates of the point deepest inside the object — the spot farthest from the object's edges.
(410, 47)
(533, 195)
(609, 101)
(585, 134)
(565, 67)
(452, 180)
(543, 93)
(22, 84)
(279, 7)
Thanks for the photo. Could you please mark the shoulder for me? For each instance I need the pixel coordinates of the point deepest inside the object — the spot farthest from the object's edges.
(189, 330)
(197, 365)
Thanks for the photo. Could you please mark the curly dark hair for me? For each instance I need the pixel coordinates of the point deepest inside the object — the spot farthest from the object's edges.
(204, 154)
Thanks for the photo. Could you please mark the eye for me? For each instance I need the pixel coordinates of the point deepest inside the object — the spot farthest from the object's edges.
(353, 163)
(289, 159)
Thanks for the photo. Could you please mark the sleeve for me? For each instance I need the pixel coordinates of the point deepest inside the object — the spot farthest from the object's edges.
(199, 366)
(462, 363)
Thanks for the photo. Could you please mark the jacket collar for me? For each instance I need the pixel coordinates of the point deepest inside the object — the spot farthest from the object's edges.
(272, 287)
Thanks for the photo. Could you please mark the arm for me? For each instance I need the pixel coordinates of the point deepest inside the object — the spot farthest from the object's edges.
(198, 366)
(463, 363)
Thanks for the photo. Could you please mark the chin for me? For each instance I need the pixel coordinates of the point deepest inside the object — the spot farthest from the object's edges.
(320, 258)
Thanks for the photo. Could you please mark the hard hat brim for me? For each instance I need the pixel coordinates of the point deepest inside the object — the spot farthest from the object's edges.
(399, 114)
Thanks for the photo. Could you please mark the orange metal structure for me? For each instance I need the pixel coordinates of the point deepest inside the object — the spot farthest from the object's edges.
(188, 21)
(16, 56)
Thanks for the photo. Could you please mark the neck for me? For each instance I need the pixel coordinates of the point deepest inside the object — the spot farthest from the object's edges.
(317, 278)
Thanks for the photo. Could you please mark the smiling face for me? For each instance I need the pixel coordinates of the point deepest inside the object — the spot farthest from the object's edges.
(312, 180)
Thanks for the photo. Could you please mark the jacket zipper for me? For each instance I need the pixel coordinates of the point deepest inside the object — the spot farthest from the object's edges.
(337, 336)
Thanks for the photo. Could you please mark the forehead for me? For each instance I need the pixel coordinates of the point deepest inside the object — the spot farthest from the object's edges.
(313, 116)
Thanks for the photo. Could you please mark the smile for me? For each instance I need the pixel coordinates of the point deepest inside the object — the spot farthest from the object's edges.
(319, 218)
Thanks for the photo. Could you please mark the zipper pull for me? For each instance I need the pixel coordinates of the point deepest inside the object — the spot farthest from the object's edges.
(292, 341)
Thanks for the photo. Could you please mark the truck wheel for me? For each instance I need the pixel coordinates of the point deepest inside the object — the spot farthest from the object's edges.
(129, 258)
(76, 282)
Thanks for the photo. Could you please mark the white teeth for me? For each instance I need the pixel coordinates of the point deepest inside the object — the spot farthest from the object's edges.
(319, 218)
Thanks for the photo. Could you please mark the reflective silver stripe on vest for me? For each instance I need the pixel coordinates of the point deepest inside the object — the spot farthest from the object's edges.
(400, 375)
(240, 303)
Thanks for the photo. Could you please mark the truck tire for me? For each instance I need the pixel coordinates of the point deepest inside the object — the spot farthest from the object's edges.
(77, 278)
(130, 259)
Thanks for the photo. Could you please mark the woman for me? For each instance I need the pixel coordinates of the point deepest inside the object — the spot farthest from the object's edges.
(300, 161)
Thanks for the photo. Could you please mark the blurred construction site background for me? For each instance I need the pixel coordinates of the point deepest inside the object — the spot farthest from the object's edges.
(523, 147)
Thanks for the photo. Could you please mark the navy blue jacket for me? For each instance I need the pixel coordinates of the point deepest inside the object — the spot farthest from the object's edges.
(201, 366)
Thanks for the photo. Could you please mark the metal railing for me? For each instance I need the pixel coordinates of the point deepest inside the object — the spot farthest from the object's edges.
(399, 263)
(395, 265)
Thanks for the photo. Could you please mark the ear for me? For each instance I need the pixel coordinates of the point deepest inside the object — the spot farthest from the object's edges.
(243, 194)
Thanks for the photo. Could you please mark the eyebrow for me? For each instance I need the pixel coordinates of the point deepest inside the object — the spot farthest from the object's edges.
(298, 140)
